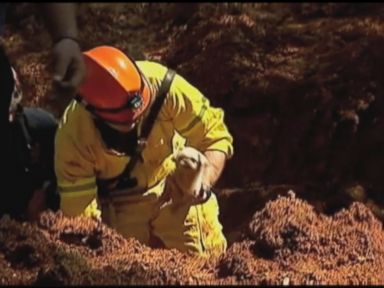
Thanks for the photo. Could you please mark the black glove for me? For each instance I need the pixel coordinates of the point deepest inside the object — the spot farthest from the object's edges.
(68, 68)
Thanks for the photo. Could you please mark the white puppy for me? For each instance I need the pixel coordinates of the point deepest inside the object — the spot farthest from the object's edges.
(185, 184)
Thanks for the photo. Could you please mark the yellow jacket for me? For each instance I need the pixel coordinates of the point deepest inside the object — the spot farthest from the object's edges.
(186, 118)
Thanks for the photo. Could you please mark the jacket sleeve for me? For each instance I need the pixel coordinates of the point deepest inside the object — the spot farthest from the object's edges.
(75, 177)
(201, 124)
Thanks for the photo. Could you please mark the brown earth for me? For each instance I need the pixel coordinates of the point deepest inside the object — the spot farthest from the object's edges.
(287, 242)
(302, 88)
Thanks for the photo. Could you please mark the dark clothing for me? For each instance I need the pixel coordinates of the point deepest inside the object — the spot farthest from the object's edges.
(6, 89)
(31, 166)
(26, 150)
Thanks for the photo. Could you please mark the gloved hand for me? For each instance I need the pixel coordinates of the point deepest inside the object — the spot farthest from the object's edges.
(68, 69)
(186, 184)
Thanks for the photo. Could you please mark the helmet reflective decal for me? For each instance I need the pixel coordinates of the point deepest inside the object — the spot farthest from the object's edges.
(136, 101)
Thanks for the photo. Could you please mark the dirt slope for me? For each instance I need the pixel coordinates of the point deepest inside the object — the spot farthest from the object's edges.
(302, 87)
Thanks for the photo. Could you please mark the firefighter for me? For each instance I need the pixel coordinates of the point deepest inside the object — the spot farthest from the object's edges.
(116, 146)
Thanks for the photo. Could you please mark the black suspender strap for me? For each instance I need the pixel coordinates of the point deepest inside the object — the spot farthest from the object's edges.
(124, 180)
(158, 103)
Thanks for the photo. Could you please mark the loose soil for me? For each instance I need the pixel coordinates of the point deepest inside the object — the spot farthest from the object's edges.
(302, 88)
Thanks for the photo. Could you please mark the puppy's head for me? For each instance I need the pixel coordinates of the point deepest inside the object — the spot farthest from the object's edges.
(189, 158)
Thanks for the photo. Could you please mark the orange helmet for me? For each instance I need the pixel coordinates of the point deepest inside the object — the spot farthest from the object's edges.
(114, 88)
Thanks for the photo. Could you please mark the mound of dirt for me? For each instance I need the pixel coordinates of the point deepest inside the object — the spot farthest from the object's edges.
(301, 85)
(81, 251)
(346, 248)
(287, 243)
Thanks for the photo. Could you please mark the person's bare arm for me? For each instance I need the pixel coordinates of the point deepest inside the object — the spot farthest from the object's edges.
(215, 168)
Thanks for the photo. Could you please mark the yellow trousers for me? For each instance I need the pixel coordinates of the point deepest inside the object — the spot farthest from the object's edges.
(194, 229)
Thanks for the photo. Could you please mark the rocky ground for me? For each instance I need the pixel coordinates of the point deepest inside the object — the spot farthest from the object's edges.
(302, 88)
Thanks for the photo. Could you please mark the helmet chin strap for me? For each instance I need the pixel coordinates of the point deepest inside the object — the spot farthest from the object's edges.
(123, 128)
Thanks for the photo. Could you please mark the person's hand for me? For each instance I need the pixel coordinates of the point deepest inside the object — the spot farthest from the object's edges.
(201, 196)
(68, 69)
(180, 196)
